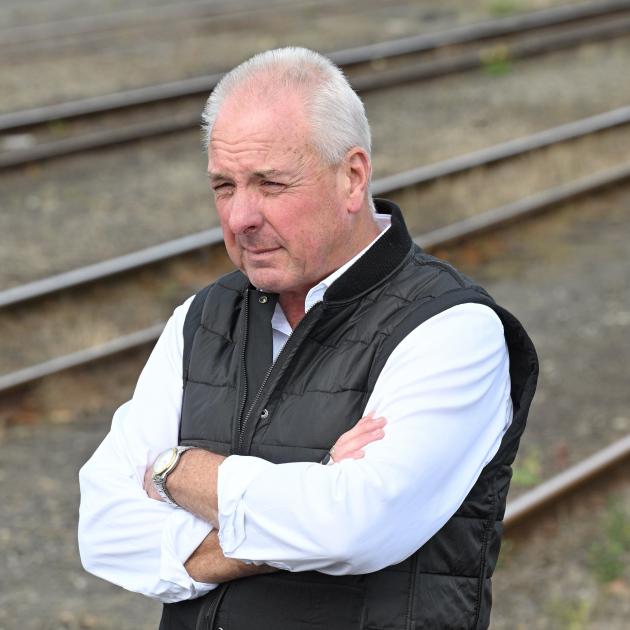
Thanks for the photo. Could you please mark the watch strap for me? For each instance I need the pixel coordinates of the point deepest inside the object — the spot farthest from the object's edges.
(159, 481)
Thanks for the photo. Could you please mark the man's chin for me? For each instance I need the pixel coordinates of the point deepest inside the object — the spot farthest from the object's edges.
(266, 279)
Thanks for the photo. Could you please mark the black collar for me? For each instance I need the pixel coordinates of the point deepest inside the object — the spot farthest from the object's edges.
(378, 263)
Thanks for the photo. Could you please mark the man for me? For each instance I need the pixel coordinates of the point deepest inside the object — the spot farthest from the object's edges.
(334, 315)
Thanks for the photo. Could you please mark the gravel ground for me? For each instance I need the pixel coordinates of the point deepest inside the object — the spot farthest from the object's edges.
(564, 275)
(42, 584)
(93, 315)
(156, 53)
(119, 200)
(92, 199)
(29, 12)
(553, 581)
(572, 574)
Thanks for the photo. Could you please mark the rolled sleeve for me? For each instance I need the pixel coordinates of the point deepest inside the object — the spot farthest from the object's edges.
(124, 536)
(240, 471)
(181, 535)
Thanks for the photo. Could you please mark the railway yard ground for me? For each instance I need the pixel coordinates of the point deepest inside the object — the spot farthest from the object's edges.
(564, 273)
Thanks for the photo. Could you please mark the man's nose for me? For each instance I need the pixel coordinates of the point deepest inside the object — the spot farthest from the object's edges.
(245, 213)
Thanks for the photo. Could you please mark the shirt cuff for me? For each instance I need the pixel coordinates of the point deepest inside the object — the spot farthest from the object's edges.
(235, 474)
(181, 535)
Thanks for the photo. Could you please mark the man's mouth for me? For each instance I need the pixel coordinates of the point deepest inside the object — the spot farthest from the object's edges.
(260, 251)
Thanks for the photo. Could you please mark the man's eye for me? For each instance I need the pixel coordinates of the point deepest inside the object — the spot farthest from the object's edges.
(222, 187)
(269, 184)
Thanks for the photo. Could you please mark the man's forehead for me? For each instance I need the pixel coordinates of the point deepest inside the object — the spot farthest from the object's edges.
(244, 110)
(259, 154)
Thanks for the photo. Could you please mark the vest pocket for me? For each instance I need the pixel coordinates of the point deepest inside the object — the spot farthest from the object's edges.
(277, 602)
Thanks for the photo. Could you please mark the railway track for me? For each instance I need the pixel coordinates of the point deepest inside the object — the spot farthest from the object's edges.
(519, 513)
(528, 509)
(98, 272)
(529, 512)
(54, 34)
(446, 236)
(464, 47)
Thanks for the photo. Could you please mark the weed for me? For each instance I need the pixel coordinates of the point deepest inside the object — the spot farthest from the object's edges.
(504, 7)
(570, 614)
(496, 60)
(606, 556)
(527, 471)
(57, 127)
(505, 554)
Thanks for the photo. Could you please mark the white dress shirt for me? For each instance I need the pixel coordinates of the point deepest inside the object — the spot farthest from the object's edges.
(445, 391)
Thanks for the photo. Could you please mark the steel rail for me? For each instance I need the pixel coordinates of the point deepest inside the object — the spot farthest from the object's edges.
(504, 53)
(82, 358)
(414, 177)
(441, 237)
(548, 493)
(201, 85)
(504, 150)
(149, 95)
(418, 72)
(108, 268)
(97, 140)
(522, 208)
(480, 31)
(56, 30)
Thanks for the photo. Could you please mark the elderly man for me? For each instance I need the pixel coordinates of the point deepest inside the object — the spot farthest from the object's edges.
(333, 315)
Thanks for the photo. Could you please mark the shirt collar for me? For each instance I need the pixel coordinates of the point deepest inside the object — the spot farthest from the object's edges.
(316, 294)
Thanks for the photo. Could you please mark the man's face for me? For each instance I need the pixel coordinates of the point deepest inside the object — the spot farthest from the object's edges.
(281, 209)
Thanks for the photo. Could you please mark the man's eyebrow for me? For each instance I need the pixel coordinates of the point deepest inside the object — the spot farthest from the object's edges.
(272, 172)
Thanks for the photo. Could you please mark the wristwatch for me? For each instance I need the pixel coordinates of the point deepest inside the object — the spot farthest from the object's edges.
(164, 465)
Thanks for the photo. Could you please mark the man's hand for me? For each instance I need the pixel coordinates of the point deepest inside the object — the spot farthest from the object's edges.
(193, 484)
(148, 486)
(350, 444)
(208, 564)
(199, 468)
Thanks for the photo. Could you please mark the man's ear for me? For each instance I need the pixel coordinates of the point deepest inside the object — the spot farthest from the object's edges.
(357, 173)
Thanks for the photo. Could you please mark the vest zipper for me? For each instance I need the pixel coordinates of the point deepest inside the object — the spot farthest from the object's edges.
(243, 424)
(208, 612)
(243, 353)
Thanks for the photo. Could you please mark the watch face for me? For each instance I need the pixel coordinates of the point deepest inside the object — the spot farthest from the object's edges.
(164, 461)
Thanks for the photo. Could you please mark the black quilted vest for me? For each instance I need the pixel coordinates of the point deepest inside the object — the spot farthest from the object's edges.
(235, 402)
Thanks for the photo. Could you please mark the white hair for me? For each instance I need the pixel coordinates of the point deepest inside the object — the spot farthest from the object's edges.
(336, 114)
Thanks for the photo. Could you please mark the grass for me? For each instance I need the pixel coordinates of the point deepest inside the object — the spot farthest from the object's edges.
(496, 60)
(572, 614)
(527, 471)
(505, 554)
(500, 8)
(608, 556)
(57, 127)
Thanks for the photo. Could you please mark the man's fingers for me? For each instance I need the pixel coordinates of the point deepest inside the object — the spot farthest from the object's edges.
(148, 486)
(359, 441)
(368, 429)
(350, 447)
(367, 419)
(356, 455)
(147, 479)
(364, 426)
